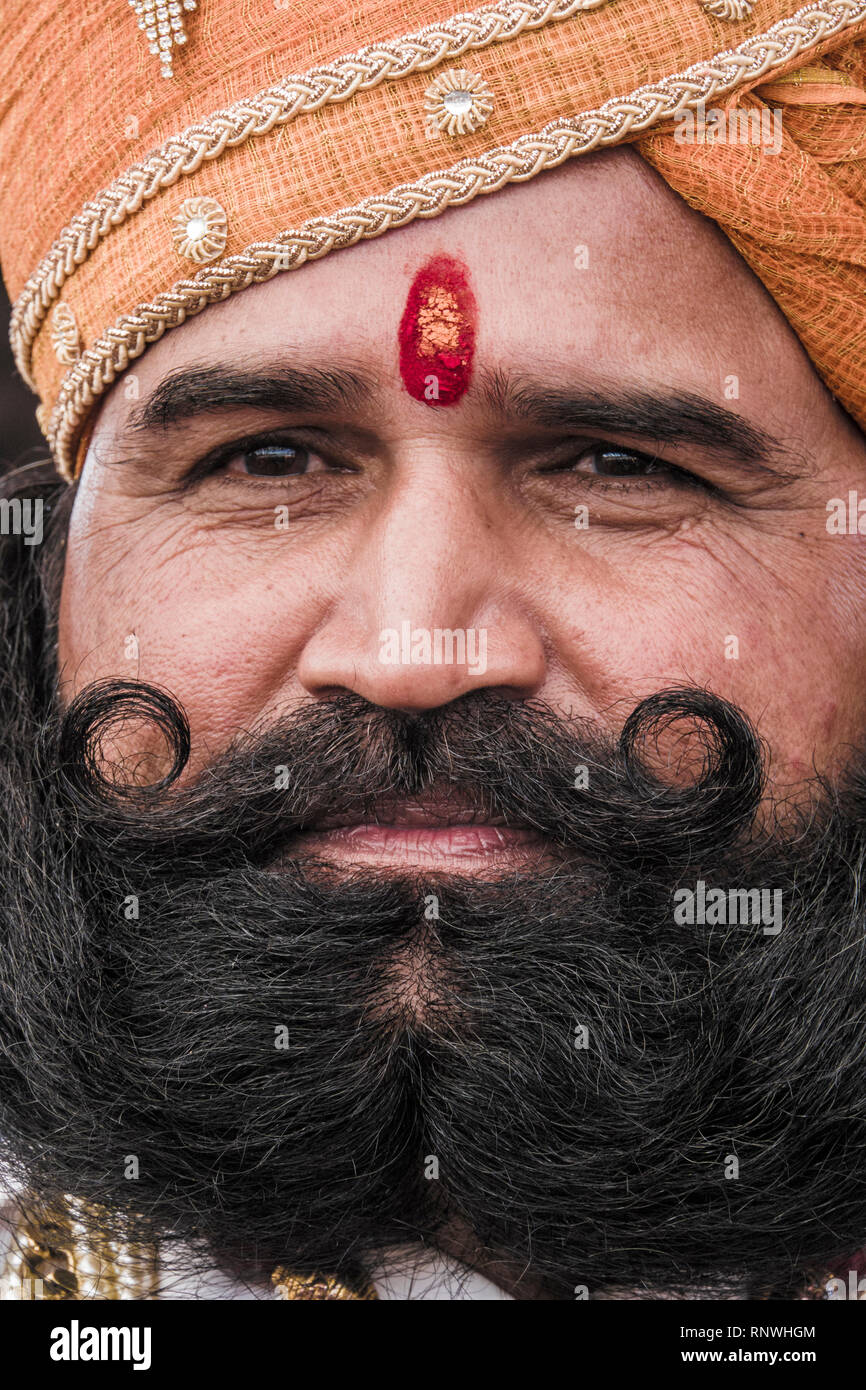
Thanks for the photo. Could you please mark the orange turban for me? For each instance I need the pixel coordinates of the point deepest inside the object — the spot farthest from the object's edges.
(147, 172)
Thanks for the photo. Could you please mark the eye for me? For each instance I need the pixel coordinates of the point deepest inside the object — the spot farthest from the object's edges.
(614, 467)
(272, 461)
(611, 461)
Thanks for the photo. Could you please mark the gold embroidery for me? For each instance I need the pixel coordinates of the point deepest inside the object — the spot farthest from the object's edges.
(62, 1255)
(65, 337)
(458, 102)
(318, 1287)
(728, 9)
(53, 1256)
(817, 74)
(200, 230)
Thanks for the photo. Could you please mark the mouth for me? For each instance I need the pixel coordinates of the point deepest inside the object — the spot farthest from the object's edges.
(444, 832)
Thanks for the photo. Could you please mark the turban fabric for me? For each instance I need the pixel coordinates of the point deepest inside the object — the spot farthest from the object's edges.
(130, 200)
(798, 218)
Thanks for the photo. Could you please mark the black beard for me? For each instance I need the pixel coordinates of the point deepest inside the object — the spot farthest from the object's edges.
(313, 1068)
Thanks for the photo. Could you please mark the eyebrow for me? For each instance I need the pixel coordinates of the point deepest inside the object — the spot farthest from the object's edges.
(666, 417)
(206, 389)
(662, 416)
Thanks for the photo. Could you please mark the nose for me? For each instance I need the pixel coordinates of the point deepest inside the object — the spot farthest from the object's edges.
(429, 607)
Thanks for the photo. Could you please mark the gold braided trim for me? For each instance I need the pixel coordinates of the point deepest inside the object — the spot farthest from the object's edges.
(52, 1257)
(296, 95)
(606, 125)
(319, 1288)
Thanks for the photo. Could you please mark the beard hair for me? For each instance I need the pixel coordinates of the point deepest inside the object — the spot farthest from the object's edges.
(313, 1067)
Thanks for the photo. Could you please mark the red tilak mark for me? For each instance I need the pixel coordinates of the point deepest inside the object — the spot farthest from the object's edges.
(437, 333)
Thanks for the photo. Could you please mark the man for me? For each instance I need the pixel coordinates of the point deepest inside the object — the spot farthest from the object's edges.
(434, 773)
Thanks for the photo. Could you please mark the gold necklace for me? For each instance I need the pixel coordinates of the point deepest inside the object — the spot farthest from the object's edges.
(54, 1256)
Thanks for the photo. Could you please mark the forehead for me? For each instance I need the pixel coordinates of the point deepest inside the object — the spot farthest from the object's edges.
(597, 266)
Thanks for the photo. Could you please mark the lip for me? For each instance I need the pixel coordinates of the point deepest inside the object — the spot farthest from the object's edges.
(429, 832)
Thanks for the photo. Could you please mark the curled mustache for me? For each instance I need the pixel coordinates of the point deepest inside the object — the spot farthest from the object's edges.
(521, 762)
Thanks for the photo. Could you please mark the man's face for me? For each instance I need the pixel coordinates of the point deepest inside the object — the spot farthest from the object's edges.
(448, 886)
(631, 494)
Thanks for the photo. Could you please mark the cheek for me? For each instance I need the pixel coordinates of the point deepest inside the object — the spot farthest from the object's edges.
(762, 637)
(94, 620)
(218, 625)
